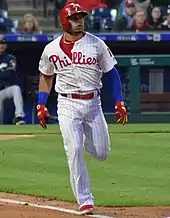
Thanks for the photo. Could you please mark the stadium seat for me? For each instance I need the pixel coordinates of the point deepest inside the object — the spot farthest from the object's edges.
(107, 24)
(6, 24)
(101, 19)
(101, 12)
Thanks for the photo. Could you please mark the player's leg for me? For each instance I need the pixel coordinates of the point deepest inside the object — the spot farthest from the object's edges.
(1, 106)
(18, 101)
(15, 93)
(72, 128)
(97, 141)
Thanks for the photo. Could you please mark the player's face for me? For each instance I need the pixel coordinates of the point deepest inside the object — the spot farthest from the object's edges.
(77, 23)
(2, 47)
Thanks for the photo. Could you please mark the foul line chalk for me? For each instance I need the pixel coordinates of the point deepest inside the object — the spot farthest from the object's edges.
(51, 208)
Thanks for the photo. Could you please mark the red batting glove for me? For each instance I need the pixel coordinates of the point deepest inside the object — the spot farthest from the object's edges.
(42, 114)
(120, 112)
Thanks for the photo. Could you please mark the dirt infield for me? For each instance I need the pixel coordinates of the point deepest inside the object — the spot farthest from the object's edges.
(15, 210)
(8, 210)
(9, 137)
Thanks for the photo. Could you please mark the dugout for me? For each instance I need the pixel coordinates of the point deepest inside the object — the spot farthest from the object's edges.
(141, 65)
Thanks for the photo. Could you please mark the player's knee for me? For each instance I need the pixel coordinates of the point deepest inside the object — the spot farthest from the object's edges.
(75, 151)
(16, 88)
(103, 154)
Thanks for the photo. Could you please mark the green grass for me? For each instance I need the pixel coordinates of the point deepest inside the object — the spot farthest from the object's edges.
(52, 129)
(137, 171)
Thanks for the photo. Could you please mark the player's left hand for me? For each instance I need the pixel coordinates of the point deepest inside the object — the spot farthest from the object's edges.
(42, 114)
(121, 113)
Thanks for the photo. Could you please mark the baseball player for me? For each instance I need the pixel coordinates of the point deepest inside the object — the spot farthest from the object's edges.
(79, 59)
(8, 85)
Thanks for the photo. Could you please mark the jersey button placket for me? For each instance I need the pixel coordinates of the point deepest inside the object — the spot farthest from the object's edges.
(74, 71)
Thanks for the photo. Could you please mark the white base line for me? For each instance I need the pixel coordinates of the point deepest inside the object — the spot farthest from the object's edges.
(51, 208)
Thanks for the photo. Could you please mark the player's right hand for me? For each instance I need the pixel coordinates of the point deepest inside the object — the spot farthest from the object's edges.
(42, 114)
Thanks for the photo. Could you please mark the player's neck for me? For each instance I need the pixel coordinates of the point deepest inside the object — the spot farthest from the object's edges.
(68, 38)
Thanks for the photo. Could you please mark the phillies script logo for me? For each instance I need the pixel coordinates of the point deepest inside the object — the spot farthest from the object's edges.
(77, 58)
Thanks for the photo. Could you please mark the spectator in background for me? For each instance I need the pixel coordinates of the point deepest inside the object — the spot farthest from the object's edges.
(163, 4)
(125, 21)
(166, 23)
(139, 4)
(6, 24)
(155, 19)
(140, 22)
(29, 25)
(142, 4)
(8, 83)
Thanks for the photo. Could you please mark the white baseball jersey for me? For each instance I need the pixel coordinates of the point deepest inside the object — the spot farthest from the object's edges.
(81, 122)
(90, 59)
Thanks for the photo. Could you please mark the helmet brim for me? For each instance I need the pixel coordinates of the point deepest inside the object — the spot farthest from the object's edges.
(84, 14)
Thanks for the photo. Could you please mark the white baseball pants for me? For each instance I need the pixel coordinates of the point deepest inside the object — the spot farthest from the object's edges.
(79, 120)
(13, 92)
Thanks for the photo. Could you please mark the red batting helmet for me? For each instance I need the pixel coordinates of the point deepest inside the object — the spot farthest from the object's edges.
(67, 12)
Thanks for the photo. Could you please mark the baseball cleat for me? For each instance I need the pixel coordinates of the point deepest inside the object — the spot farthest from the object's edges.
(19, 121)
(86, 210)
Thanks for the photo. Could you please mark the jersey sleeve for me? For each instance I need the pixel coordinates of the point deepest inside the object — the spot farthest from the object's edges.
(45, 66)
(106, 59)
